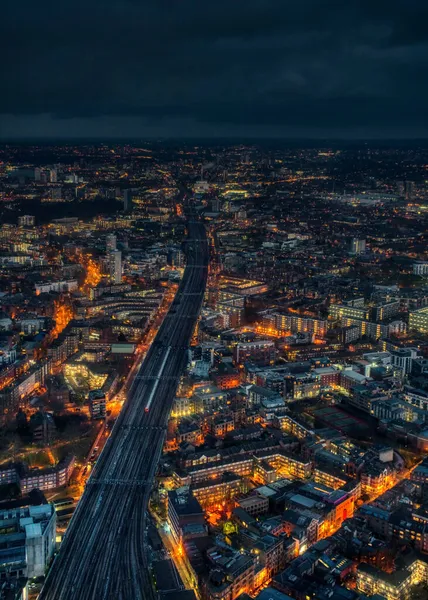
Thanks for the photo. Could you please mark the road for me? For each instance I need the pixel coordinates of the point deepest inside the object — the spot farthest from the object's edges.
(178, 556)
(104, 554)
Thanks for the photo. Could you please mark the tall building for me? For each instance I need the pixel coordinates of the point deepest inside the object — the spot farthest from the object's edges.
(184, 510)
(97, 404)
(403, 358)
(55, 193)
(357, 246)
(176, 257)
(418, 320)
(53, 176)
(111, 242)
(216, 205)
(420, 268)
(340, 311)
(409, 189)
(27, 539)
(115, 266)
(295, 323)
(26, 221)
(127, 200)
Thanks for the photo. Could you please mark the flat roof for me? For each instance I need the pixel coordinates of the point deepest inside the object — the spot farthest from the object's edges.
(303, 500)
(272, 594)
(167, 578)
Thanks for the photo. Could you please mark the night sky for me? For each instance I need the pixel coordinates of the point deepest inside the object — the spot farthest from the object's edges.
(225, 68)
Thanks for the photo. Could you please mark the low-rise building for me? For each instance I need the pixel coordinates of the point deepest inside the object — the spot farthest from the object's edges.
(392, 586)
(261, 352)
(48, 478)
(255, 504)
(230, 576)
(217, 490)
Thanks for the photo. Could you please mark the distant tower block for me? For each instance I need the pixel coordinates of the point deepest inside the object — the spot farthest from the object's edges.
(409, 188)
(357, 246)
(111, 242)
(115, 264)
(26, 221)
(127, 200)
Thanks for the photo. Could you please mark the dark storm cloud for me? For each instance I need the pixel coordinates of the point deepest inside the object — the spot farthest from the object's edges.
(253, 67)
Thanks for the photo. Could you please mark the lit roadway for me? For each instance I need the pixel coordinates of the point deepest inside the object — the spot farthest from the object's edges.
(104, 554)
